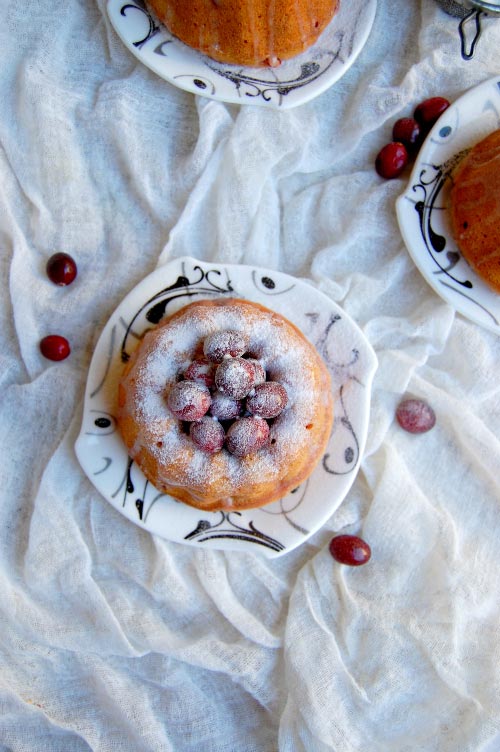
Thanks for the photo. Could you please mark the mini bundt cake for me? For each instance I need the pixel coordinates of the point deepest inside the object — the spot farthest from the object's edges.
(257, 33)
(225, 405)
(475, 208)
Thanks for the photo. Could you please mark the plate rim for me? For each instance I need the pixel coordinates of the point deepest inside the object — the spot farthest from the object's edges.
(173, 267)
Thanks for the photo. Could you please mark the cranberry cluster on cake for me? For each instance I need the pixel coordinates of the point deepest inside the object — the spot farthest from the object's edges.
(225, 405)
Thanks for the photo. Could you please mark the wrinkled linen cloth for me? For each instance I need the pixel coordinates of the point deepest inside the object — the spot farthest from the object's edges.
(114, 639)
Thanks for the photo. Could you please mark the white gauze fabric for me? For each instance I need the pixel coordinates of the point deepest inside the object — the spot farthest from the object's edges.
(113, 639)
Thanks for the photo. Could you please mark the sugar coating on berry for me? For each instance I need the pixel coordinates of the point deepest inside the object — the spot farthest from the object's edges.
(224, 407)
(260, 371)
(202, 371)
(268, 400)
(207, 434)
(188, 400)
(221, 344)
(415, 416)
(246, 436)
(234, 377)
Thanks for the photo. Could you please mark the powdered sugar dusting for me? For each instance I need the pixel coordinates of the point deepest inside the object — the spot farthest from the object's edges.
(288, 359)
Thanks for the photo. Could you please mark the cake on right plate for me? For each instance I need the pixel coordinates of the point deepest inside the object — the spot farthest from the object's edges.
(475, 208)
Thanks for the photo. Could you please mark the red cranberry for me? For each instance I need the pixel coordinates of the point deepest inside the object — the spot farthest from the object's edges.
(268, 400)
(260, 372)
(428, 111)
(202, 371)
(349, 549)
(225, 408)
(207, 434)
(391, 160)
(55, 347)
(407, 131)
(246, 435)
(234, 377)
(61, 269)
(221, 344)
(188, 400)
(415, 416)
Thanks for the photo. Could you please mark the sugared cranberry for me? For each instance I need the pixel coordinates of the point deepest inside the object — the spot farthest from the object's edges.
(407, 132)
(260, 371)
(415, 416)
(268, 400)
(61, 269)
(202, 371)
(225, 408)
(391, 160)
(55, 347)
(428, 111)
(207, 434)
(246, 435)
(188, 400)
(234, 377)
(219, 345)
(349, 549)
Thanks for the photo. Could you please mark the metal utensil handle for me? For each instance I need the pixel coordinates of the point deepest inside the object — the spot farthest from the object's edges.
(486, 6)
(468, 50)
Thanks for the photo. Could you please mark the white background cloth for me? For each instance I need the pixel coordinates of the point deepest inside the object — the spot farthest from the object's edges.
(112, 639)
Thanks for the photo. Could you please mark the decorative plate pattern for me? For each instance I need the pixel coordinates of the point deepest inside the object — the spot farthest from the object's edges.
(278, 527)
(294, 82)
(423, 208)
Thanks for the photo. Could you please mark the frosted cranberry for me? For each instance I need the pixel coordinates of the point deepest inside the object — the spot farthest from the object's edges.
(268, 400)
(391, 160)
(415, 416)
(260, 371)
(188, 400)
(225, 408)
(407, 132)
(219, 345)
(202, 371)
(234, 377)
(55, 347)
(61, 269)
(349, 549)
(207, 434)
(246, 435)
(428, 111)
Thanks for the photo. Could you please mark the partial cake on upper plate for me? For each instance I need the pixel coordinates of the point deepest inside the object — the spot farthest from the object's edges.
(257, 33)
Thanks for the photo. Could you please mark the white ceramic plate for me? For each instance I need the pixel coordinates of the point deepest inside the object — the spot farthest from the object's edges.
(423, 208)
(294, 82)
(284, 524)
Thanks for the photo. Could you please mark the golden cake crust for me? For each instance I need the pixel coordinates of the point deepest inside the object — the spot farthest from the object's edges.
(257, 33)
(155, 439)
(475, 208)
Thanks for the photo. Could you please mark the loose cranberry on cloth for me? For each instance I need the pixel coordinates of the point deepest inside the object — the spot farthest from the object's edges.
(55, 347)
(415, 416)
(429, 111)
(350, 550)
(391, 160)
(408, 132)
(61, 269)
